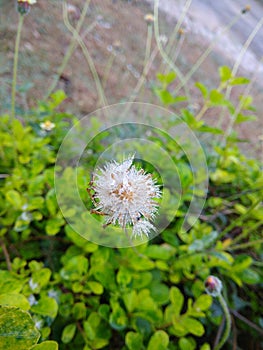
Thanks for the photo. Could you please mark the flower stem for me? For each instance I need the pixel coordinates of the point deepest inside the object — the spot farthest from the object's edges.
(18, 36)
(228, 322)
(6, 255)
(246, 245)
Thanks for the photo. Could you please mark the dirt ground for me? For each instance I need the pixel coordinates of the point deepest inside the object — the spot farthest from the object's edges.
(115, 35)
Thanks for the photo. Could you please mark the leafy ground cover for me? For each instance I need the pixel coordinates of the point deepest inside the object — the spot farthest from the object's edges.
(60, 290)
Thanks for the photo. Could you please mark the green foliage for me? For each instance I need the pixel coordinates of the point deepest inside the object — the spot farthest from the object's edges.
(17, 329)
(86, 296)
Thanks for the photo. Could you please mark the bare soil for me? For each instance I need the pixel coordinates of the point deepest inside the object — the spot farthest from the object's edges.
(115, 34)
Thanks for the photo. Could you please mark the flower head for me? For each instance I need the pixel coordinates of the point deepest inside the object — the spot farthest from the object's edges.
(23, 6)
(149, 18)
(47, 125)
(246, 9)
(126, 196)
(213, 286)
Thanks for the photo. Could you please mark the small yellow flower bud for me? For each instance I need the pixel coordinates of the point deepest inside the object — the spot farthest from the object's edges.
(149, 18)
(246, 9)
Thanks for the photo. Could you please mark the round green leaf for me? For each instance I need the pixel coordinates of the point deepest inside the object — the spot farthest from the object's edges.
(17, 300)
(46, 345)
(133, 341)
(193, 326)
(17, 329)
(249, 276)
(177, 300)
(118, 319)
(68, 333)
(159, 341)
(46, 307)
(95, 287)
(203, 302)
(160, 293)
(187, 344)
(14, 198)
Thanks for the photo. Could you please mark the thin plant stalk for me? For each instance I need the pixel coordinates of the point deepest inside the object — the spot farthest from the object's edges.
(237, 111)
(70, 50)
(163, 53)
(246, 232)
(242, 217)
(102, 98)
(206, 53)
(178, 26)
(177, 51)
(228, 322)
(175, 34)
(235, 69)
(148, 44)
(108, 69)
(147, 55)
(18, 36)
(246, 245)
(148, 60)
(140, 81)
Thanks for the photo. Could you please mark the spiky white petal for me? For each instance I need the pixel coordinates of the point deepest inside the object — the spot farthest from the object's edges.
(126, 196)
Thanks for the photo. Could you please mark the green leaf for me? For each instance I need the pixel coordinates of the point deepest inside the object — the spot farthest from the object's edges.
(159, 341)
(166, 79)
(42, 277)
(193, 326)
(205, 347)
(14, 198)
(130, 300)
(95, 287)
(68, 333)
(159, 292)
(210, 129)
(57, 98)
(118, 319)
(46, 307)
(239, 81)
(53, 226)
(97, 331)
(134, 341)
(79, 311)
(225, 73)
(177, 300)
(187, 344)
(249, 276)
(163, 252)
(75, 268)
(9, 284)
(241, 118)
(216, 98)
(17, 329)
(241, 262)
(203, 302)
(202, 88)
(51, 202)
(124, 276)
(165, 96)
(18, 300)
(46, 345)
(222, 176)
(246, 101)
(141, 280)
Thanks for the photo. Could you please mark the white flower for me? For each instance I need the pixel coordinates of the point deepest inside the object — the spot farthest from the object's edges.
(47, 125)
(126, 196)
